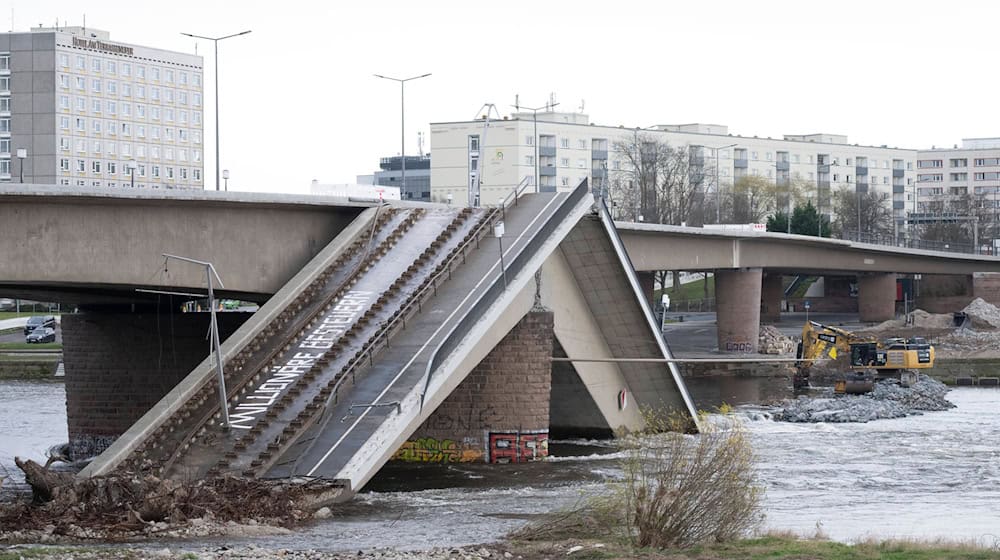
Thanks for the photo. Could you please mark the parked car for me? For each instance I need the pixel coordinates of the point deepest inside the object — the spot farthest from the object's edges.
(7, 304)
(33, 323)
(42, 335)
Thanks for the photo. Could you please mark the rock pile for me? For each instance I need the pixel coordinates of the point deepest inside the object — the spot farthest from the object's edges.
(984, 315)
(887, 400)
(771, 341)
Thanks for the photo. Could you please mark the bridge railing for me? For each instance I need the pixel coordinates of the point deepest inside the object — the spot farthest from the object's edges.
(909, 243)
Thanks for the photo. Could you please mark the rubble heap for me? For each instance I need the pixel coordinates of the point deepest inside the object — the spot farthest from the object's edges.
(887, 400)
(984, 315)
(771, 341)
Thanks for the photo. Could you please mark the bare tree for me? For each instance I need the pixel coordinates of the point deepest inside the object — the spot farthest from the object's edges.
(869, 213)
(751, 199)
(657, 182)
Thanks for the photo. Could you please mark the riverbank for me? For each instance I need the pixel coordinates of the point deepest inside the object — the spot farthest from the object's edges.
(776, 546)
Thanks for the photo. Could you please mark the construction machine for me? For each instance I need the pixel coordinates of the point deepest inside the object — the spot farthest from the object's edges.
(869, 358)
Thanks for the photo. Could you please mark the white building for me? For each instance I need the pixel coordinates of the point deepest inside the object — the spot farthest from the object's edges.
(501, 154)
(945, 176)
(86, 111)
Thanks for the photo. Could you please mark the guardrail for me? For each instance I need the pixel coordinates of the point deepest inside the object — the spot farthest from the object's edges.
(487, 298)
(904, 243)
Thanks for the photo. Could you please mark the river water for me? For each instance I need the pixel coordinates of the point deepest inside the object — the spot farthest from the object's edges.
(936, 475)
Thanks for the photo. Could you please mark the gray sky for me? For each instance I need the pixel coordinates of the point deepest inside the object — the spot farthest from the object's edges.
(299, 102)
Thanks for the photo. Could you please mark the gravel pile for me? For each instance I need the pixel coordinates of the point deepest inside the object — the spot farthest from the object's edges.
(983, 314)
(918, 318)
(887, 400)
(256, 552)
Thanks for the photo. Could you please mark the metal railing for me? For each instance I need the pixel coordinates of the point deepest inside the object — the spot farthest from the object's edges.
(909, 243)
(487, 298)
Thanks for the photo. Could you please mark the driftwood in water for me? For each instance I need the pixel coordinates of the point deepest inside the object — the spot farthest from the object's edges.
(43, 482)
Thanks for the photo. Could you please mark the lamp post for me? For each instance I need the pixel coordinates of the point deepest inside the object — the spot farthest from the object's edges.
(225, 177)
(215, 41)
(819, 198)
(534, 118)
(22, 154)
(718, 197)
(402, 125)
(130, 165)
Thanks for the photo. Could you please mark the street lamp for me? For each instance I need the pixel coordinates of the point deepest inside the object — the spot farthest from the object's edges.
(819, 196)
(130, 165)
(22, 154)
(215, 41)
(225, 177)
(718, 198)
(402, 125)
(534, 118)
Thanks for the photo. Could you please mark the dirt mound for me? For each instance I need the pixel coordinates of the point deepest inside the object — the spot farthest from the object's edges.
(918, 319)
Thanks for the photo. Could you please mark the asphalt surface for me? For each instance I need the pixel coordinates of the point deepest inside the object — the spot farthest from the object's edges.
(694, 334)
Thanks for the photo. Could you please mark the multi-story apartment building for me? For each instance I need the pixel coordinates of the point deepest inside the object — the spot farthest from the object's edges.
(949, 179)
(86, 111)
(496, 156)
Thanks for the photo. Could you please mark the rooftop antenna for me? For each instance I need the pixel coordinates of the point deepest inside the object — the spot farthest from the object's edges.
(552, 98)
(84, 25)
(581, 105)
(420, 143)
(517, 102)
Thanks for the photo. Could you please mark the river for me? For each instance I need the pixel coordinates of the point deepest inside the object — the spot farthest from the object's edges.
(929, 476)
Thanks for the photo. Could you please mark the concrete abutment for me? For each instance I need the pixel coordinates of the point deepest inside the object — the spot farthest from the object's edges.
(772, 292)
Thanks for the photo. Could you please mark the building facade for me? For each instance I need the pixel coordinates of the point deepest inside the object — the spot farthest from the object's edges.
(558, 150)
(77, 109)
(961, 184)
(418, 176)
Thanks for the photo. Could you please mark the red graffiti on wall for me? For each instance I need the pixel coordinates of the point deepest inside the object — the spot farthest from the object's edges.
(518, 447)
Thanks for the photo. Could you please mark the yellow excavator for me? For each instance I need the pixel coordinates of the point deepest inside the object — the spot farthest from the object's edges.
(870, 359)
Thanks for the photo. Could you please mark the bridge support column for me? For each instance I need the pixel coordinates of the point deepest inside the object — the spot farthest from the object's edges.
(737, 299)
(647, 281)
(500, 412)
(876, 297)
(772, 293)
(118, 365)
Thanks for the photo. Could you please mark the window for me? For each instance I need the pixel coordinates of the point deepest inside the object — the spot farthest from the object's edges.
(928, 163)
(81, 63)
(112, 107)
(63, 144)
(182, 135)
(5, 124)
(63, 81)
(168, 132)
(182, 98)
(196, 117)
(126, 129)
(81, 124)
(111, 67)
(110, 148)
(140, 131)
(182, 155)
(154, 152)
(196, 155)
(96, 147)
(127, 110)
(196, 174)
(4, 83)
(126, 149)
(95, 105)
(958, 176)
(564, 142)
(81, 104)
(4, 145)
(4, 104)
(564, 162)
(930, 178)
(154, 93)
(959, 162)
(991, 176)
(529, 160)
(140, 92)
(112, 87)
(140, 111)
(182, 78)
(64, 164)
(987, 162)
(582, 144)
(581, 163)
(81, 83)
(170, 172)
(140, 151)
(196, 99)
(169, 74)
(168, 153)
(96, 126)
(156, 132)
(64, 102)
(64, 60)
(168, 95)
(126, 69)
(754, 156)
(184, 173)
(529, 140)
(142, 169)
(154, 113)
(197, 79)
(565, 181)
(81, 165)
(182, 117)
(95, 85)
(112, 168)
(168, 114)
(140, 71)
(95, 166)
(110, 127)
(156, 171)
(64, 123)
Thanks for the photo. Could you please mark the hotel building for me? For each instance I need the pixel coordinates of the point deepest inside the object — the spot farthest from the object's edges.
(77, 109)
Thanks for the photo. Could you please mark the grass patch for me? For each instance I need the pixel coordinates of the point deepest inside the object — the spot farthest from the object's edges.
(691, 290)
(33, 346)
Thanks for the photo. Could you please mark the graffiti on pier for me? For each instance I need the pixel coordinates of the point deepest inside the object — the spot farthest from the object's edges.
(518, 447)
(431, 450)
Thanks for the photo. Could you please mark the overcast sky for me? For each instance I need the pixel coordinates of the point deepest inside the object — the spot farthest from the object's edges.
(299, 102)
